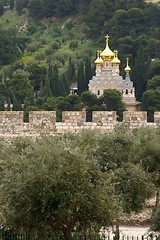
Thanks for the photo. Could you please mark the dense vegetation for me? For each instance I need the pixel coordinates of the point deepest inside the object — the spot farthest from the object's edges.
(52, 44)
(78, 183)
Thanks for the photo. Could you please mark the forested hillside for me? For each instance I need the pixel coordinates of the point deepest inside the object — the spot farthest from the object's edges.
(47, 46)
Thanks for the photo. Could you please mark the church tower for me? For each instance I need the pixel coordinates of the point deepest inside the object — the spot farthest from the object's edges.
(108, 77)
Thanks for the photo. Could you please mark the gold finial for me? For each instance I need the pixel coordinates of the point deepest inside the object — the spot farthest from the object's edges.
(115, 60)
(116, 53)
(127, 68)
(107, 54)
(99, 60)
(107, 39)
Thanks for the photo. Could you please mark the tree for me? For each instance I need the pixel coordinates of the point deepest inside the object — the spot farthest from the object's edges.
(150, 102)
(20, 88)
(113, 100)
(37, 75)
(71, 76)
(1, 8)
(81, 79)
(88, 71)
(8, 46)
(139, 75)
(67, 193)
(155, 220)
(154, 83)
(134, 186)
(155, 68)
(113, 149)
(11, 4)
(53, 76)
(146, 152)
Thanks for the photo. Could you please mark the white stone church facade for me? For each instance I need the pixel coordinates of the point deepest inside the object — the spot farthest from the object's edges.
(108, 77)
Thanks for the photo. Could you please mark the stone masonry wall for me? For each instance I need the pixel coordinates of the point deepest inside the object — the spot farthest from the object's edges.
(44, 122)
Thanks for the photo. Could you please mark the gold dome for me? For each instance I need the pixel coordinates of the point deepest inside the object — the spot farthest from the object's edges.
(127, 68)
(99, 60)
(115, 60)
(107, 54)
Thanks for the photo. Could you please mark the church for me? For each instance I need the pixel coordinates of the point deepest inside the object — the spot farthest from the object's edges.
(108, 77)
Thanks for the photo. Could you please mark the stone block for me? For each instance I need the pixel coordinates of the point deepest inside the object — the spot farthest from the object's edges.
(157, 117)
(101, 117)
(11, 117)
(42, 118)
(76, 117)
(135, 117)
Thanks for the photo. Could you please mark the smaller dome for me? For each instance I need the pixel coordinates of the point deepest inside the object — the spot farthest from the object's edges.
(115, 60)
(107, 54)
(99, 60)
(127, 68)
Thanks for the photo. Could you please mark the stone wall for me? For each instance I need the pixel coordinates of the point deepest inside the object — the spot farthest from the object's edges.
(44, 122)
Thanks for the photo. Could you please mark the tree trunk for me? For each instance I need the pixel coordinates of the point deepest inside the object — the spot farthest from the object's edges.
(117, 234)
(67, 234)
(157, 197)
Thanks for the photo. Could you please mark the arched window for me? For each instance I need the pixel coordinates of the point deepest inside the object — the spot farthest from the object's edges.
(131, 91)
(98, 93)
(126, 91)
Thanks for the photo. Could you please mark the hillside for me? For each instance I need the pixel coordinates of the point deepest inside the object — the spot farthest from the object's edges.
(62, 44)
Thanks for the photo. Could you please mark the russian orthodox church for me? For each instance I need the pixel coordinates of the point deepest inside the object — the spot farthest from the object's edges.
(108, 77)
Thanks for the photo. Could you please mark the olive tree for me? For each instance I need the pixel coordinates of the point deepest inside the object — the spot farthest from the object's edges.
(52, 184)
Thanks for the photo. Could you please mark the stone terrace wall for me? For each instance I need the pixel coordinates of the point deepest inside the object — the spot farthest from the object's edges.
(44, 122)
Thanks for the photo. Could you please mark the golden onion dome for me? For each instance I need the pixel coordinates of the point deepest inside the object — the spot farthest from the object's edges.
(107, 54)
(115, 60)
(127, 68)
(99, 60)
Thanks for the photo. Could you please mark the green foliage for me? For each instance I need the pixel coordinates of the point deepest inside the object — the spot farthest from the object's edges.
(155, 68)
(20, 88)
(1, 8)
(81, 81)
(11, 4)
(145, 150)
(67, 192)
(113, 149)
(150, 102)
(154, 83)
(113, 101)
(155, 220)
(126, 178)
(73, 44)
(8, 46)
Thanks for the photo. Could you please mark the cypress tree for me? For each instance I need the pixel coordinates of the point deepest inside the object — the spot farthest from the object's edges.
(53, 76)
(1, 8)
(139, 74)
(11, 4)
(88, 72)
(71, 76)
(81, 82)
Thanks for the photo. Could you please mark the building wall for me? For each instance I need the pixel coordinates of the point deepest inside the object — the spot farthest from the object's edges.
(41, 123)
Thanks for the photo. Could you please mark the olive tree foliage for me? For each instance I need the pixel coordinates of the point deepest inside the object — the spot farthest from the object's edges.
(134, 186)
(155, 220)
(54, 184)
(146, 152)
